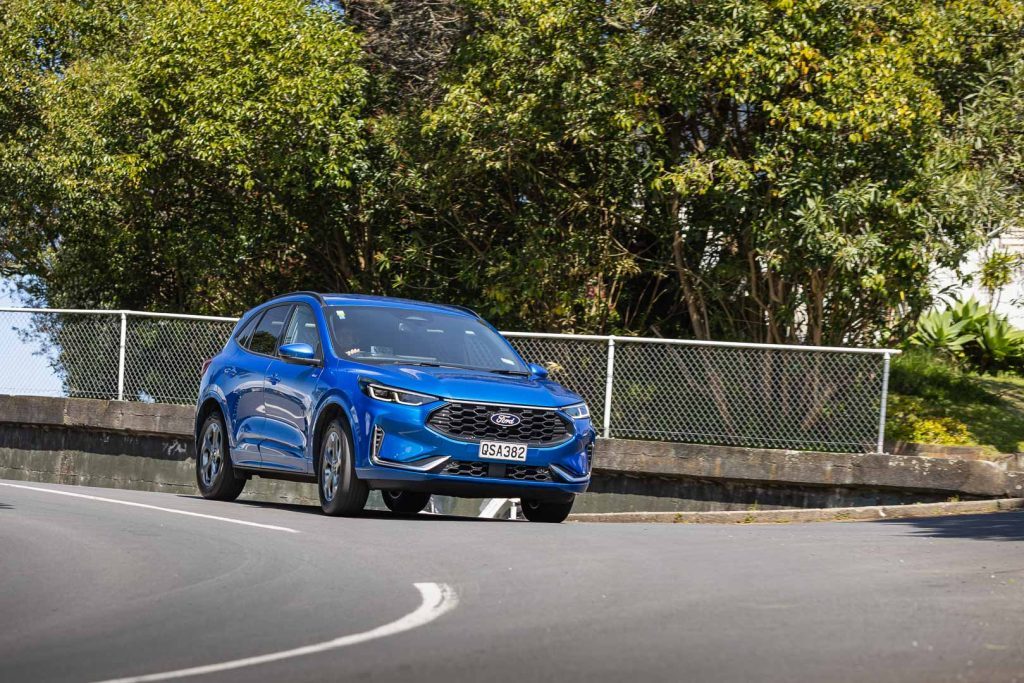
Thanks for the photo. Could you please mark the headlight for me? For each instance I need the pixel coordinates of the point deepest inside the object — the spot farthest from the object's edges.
(579, 411)
(401, 396)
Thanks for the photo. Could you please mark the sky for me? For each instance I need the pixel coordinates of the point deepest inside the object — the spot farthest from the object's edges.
(23, 369)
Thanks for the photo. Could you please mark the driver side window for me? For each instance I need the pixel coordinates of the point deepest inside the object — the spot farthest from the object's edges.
(302, 329)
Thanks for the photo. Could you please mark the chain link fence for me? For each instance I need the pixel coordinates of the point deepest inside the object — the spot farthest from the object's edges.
(805, 398)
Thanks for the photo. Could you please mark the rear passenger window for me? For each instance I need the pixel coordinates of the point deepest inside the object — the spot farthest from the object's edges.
(264, 340)
(244, 337)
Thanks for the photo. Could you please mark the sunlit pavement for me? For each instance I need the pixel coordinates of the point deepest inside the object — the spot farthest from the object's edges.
(92, 588)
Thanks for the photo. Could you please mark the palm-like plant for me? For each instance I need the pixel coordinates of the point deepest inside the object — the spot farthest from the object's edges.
(999, 345)
(974, 334)
(938, 331)
(971, 312)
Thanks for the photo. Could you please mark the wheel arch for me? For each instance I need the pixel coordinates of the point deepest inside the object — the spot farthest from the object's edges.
(334, 407)
(205, 409)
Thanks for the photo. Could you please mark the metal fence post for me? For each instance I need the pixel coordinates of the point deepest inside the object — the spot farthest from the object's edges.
(885, 398)
(608, 388)
(120, 360)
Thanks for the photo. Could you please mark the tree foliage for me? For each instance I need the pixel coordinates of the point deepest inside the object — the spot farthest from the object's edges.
(770, 170)
(207, 154)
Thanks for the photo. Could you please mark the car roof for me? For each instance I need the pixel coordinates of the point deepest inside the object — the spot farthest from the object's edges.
(337, 299)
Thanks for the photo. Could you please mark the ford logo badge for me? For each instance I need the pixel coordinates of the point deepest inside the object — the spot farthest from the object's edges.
(505, 419)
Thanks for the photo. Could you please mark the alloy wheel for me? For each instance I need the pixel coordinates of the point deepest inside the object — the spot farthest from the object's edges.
(331, 466)
(212, 455)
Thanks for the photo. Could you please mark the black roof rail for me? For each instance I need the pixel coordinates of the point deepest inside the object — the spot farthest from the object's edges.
(316, 295)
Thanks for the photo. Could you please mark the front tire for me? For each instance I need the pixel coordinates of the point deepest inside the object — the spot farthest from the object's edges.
(405, 502)
(546, 511)
(341, 492)
(214, 472)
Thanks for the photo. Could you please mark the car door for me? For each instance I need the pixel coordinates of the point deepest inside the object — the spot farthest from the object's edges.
(241, 380)
(245, 375)
(288, 397)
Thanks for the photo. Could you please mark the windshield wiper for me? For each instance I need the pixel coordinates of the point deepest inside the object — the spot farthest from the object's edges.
(428, 364)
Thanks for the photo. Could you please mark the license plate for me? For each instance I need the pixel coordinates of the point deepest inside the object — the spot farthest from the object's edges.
(496, 450)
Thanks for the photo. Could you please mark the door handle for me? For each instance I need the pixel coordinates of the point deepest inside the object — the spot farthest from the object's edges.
(274, 379)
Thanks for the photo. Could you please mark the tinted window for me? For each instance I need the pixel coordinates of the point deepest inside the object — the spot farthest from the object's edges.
(371, 334)
(245, 335)
(302, 328)
(264, 340)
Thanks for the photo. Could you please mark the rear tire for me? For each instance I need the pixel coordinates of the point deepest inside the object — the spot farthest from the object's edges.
(341, 492)
(405, 502)
(546, 511)
(214, 472)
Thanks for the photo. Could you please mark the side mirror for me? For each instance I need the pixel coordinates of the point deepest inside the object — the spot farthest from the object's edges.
(538, 371)
(298, 353)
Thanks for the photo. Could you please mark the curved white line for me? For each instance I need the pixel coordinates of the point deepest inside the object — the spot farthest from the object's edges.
(151, 507)
(438, 598)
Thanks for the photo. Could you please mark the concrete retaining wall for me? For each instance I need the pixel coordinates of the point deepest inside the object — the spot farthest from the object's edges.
(844, 470)
(149, 447)
(116, 444)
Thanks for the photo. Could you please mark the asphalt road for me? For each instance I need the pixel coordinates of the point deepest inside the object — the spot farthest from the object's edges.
(95, 589)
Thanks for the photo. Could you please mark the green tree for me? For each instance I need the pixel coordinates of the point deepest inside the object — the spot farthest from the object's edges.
(770, 170)
(775, 171)
(205, 154)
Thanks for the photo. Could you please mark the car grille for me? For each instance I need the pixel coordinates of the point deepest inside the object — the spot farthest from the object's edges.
(472, 422)
(497, 470)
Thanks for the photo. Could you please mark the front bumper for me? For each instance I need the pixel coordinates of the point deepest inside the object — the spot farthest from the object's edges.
(402, 452)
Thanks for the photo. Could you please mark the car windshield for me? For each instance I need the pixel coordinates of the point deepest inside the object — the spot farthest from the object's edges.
(379, 334)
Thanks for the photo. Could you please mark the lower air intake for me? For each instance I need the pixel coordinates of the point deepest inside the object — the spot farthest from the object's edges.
(460, 468)
(465, 469)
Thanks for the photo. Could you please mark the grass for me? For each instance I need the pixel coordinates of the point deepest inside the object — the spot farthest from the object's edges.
(932, 401)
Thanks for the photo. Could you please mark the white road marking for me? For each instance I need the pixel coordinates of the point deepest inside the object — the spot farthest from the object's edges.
(492, 507)
(151, 507)
(438, 598)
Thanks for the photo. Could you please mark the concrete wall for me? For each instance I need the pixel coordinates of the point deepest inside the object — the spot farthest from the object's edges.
(806, 468)
(116, 444)
(149, 447)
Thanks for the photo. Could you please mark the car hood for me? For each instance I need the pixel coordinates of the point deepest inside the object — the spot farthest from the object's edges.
(476, 385)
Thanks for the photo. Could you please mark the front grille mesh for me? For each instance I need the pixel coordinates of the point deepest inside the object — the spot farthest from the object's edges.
(528, 473)
(480, 469)
(472, 422)
(465, 469)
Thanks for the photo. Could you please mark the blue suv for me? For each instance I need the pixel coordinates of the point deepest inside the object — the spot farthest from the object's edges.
(357, 393)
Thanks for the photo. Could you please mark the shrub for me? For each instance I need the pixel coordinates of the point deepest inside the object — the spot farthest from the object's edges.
(908, 421)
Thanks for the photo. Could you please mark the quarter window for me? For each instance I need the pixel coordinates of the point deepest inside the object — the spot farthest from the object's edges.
(264, 340)
(244, 337)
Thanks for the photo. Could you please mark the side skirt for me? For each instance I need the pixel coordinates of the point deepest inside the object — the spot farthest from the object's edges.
(271, 474)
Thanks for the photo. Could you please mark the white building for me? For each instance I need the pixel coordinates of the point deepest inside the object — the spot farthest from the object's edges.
(1008, 301)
